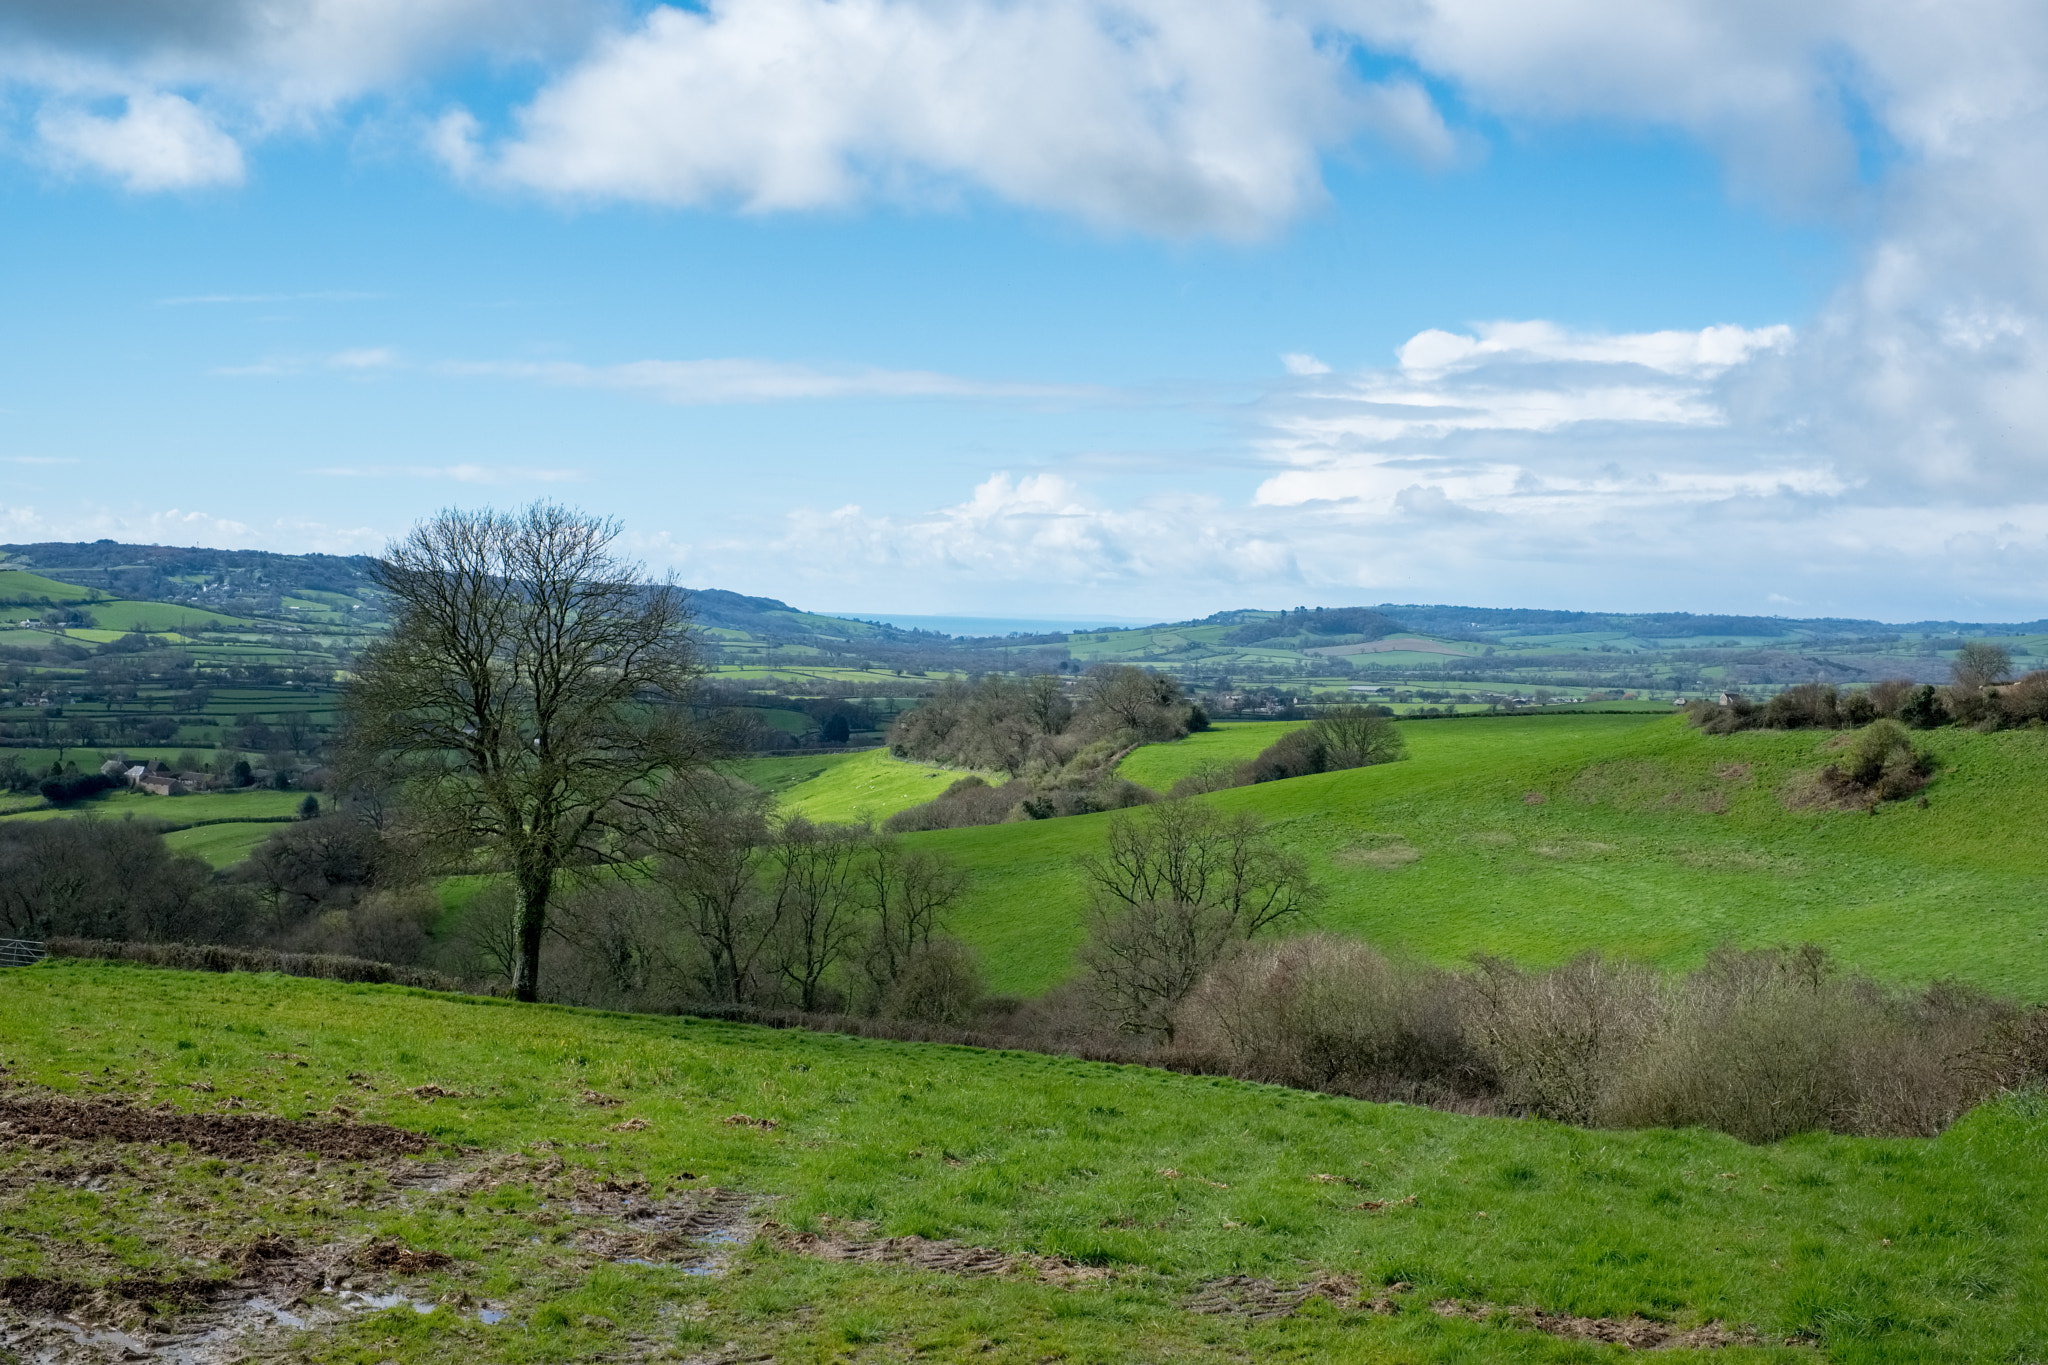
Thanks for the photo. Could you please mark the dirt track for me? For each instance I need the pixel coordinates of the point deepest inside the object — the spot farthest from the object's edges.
(223, 1135)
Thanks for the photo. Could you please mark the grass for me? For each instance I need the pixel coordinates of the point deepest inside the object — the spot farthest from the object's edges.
(1537, 837)
(220, 845)
(159, 617)
(1877, 1250)
(1159, 766)
(18, 586)
(840, 788)
(256, 803)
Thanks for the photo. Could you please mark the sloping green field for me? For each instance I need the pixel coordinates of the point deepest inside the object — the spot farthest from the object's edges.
(162, 616)
(1146, 1191)
(1538, 836)
(842, 788)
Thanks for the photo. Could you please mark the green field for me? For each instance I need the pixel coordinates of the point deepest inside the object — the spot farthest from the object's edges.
(1153, 1187)
(1159, 766)
(253, 804)
(1536, 837)
(163, 616)
(844, 788)
(220, 845)
(18, 585)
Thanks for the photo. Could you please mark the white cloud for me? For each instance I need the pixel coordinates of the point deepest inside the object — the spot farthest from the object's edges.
(21, 522)
(1147, 114)
(1301, 363)
(159, 142)
(760, 381)
(357, 359)
(459, 473)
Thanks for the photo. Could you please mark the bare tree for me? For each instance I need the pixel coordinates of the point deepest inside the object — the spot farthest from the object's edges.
(906, 893)
(1980, 664)
(818, 905)
(531, 695)
(1175, 889)
(712, 842)
(1119, 698)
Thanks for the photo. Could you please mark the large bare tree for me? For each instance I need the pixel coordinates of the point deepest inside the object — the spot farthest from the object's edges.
(531, 697)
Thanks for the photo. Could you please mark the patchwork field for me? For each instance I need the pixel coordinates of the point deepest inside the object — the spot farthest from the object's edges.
(562, 1185)
(1537, 837)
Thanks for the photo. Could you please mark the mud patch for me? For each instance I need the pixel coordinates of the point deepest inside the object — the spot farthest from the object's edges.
(922, 1253)
(1642, 1334)
(1258, 1300)
(224, 1135)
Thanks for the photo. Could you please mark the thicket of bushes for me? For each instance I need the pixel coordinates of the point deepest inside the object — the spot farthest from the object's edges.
(1759, 1044)
(1060, 748)
(207, 957)
(1979, 694)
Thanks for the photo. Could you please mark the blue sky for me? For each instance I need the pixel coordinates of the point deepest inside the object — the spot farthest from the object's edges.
(1073, 308)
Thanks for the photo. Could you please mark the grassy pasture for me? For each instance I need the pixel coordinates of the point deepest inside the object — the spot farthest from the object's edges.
(1871, 1251)
(1540, 836)
(220, 845)
(839, 788)
(19, 585)
(252, 804)
(160, 617)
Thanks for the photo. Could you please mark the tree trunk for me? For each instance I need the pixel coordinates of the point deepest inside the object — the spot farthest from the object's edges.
(529, 922)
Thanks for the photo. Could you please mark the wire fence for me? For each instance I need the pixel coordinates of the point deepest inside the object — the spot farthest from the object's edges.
(21, 952)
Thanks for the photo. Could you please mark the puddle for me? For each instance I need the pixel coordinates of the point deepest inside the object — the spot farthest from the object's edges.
(380, 1302)
(490, 1317)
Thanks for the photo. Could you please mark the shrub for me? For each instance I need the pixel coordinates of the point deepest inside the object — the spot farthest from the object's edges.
(214, 958)
(2026, 700)
(67, 788)
(1808, 706)
(1328, 1013)
(940, 984)
(1882, 765)
(1557, 1039)
(1173, 892)
(1925, 709)
(970, 801)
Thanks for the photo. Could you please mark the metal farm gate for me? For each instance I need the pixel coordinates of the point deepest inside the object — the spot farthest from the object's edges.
(20, 952)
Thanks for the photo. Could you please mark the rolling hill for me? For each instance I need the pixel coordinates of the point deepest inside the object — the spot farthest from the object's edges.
(525, 1183)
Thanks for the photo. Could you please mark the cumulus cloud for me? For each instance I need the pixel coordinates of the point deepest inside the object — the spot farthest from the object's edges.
(201, 79)
(1515, 462)
(159, 142)
(1147, 114)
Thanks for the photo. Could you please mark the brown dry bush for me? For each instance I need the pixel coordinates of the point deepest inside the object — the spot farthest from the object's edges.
(1327, 1013)
(1759, 1044)
(1558, 1038)
(970, 801)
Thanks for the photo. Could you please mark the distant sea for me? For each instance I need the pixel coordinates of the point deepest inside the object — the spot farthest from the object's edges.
(996, 625)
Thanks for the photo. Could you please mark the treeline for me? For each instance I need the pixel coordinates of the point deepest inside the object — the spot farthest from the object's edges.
(1981, 693)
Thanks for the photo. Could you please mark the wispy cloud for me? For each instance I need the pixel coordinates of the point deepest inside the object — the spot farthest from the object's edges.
(357, 359)
(762, 381)
(459, 473)
(309, 296)
(37, 459)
